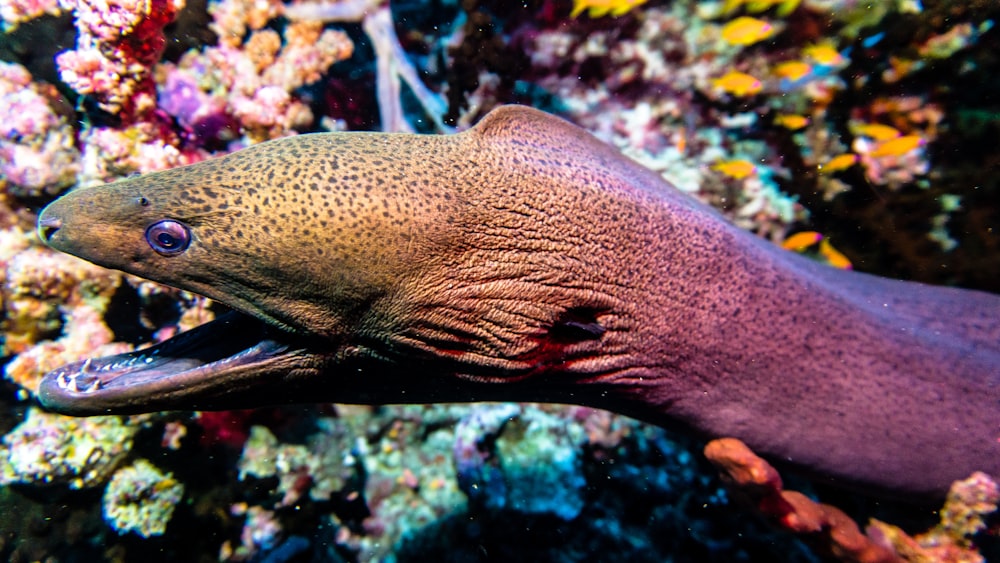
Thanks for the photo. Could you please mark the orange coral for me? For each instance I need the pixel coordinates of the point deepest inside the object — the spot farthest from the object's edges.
(834, 533)
(828, 527)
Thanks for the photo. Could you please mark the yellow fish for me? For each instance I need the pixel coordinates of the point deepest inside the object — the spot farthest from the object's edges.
(898, 146)
(801, 241)
(746, 31)
(793, 70)
(833, 256)
(737, 169)
(838, 163)
(877, 131)
(785, 7)
(899, 68)
(598, 8)
(792, 122)
(738, 83)
(824, 54)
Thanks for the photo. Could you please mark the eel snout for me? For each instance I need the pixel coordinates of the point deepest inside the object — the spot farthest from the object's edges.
(47, 226)
(203, 366)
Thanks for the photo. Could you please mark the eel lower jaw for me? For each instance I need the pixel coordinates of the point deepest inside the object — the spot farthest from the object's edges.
(232, 362)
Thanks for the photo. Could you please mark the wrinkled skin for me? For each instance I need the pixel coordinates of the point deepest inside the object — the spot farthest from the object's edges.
(525, 260)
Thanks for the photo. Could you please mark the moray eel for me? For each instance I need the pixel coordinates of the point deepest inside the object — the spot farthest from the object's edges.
(525, 260)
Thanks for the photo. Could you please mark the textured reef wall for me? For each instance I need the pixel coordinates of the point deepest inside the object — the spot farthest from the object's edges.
(861, 134)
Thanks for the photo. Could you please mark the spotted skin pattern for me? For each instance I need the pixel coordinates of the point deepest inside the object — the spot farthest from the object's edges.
(525, 260)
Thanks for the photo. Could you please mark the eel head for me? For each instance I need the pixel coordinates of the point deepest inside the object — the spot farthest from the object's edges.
(284, 233)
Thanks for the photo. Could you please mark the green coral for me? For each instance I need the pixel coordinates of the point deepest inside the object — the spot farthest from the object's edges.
(141, 499)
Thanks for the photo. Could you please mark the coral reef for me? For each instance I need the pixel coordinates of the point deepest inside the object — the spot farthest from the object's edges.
(38, 153)
(49, 448)
(235, 88)
(520, 459)
(962, 517)
(405, 479)
(39, 287)
(118, 43)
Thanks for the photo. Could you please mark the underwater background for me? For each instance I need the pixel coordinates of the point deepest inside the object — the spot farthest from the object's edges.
(863, 134)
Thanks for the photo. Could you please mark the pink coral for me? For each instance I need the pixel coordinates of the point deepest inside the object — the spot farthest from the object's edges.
(145, 146)
(14, 12)
(37, 148)
(119, 42)
(27, 113)
(250, 87)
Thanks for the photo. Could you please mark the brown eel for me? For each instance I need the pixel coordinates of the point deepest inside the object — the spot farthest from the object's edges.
(525, 260)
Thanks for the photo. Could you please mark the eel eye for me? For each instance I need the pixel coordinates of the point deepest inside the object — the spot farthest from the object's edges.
(168, 237)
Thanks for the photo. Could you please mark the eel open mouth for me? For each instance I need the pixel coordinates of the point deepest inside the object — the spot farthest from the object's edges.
(195, 369)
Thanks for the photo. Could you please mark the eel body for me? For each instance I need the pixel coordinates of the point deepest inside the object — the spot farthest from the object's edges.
(525, 260)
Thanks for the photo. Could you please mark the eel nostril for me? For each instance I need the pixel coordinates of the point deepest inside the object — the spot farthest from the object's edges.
(48, 227)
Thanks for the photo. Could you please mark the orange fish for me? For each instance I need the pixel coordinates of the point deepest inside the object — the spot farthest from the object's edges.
(598, 8)
(824, 54)
(801, 241)
(681, 137)
(745, 31)
(898, 146)
(793, 70)
(737, 169)
(877, 131)
(838, 163)
(738, 83)
(833, 256)
(792, 122)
